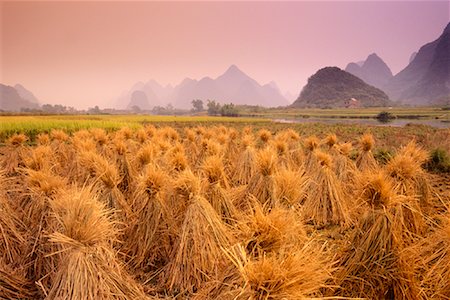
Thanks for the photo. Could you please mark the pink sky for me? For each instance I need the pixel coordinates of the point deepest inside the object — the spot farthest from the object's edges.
(86, 53)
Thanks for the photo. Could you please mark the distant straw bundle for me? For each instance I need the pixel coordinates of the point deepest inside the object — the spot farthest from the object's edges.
(100, 136)
(40, 158)
(264, 136)
(331, 140)
(216, 191)
(245, 164)
(345, 168)
(262, 183)
(290, 187)
(14, 153)
(310, 145)
(365, 160)
(105, 176)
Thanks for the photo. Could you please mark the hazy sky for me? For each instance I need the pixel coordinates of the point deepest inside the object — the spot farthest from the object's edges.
(86, 53)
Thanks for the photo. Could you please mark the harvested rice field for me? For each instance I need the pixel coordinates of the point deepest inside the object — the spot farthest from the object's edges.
(216, 212)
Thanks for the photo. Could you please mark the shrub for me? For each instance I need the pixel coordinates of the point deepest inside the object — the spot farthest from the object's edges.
(383, 155)
(385, 117)
(439, 161)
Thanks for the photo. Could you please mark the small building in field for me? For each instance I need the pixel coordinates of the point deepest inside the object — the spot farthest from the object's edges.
(352, 103)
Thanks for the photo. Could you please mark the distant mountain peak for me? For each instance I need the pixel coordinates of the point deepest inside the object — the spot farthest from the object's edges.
(426, 79)
(25, 94)
(232, 86)
(233, 68)
(373, 57)
(373, 71)
(234, 71)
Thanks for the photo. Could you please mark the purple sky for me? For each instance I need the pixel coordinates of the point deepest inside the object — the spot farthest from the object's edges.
(86, 53)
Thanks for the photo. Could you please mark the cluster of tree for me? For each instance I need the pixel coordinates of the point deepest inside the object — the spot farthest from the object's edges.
(215, 109)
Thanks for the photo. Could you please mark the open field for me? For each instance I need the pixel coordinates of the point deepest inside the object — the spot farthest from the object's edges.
(166, 209)
(400, 112)
(33, 125)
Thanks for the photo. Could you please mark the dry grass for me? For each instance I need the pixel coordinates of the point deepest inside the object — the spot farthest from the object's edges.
(87, 266)
(197, 255)
(211, 212)
(365, 160)
(326, 203)
(299, 275)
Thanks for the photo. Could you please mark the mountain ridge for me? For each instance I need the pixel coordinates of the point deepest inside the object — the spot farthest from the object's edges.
(233, 86)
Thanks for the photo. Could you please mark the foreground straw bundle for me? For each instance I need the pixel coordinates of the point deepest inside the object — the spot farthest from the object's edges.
(216, 213)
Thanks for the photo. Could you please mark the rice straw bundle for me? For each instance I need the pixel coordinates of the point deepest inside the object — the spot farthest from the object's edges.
(290, 187)
(125, 132)
(59, 135)
(175, 159)
(373, 265)
(326, 202)
(190, 135)
(345, 168)
(141, 136)
(247, 130)
(264, 137)
(12, 237)
(148, 153)
(147, 237)
(298, 275)
(150, 130)
(262, 183)
(99, 135)
(41, 187)
(87, 265)
(311, 145)
(185, 187)
(170, 134)
(197, 256)
(39, 158)
(13, 155)
(244, 167)
(431, 256)
(280, 147)
(378, 191)
(262, 231)
(216, 191)
(409, 177)
(365, 160)
(330, 141)
(43, 139)
(105, 176)
(124, 166)
(14, 284)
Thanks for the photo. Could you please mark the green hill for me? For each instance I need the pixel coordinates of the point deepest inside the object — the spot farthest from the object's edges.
(332, 87)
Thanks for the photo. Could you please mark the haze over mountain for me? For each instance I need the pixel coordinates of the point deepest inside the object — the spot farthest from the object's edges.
(333, 87)
(233, 86)
(15, 98)
(373, 71)
(426, 79)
